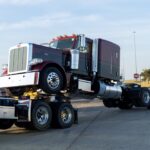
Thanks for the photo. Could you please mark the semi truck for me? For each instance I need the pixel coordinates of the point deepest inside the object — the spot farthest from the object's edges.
(38, 78)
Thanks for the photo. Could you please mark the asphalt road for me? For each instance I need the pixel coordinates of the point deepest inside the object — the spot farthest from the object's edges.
(99, 128)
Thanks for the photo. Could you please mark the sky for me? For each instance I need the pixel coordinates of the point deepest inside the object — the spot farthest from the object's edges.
(38, 21)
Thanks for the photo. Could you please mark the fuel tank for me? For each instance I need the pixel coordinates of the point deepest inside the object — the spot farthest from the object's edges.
(107, 91)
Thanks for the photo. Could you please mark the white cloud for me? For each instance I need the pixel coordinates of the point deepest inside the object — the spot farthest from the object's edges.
(22, 2)
(121, 29)
(34, 2)
(41, 21)
(49, 20)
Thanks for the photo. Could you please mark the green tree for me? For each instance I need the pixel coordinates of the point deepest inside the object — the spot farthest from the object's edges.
(145, 75)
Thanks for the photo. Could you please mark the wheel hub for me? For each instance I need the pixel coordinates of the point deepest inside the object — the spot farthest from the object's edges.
(53, 80)
(42, 115)
(66, 115)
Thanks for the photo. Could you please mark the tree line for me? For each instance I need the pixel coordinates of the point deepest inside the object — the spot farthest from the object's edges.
(145, 75)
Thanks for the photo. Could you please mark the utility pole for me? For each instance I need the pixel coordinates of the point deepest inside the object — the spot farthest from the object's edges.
(136, 67)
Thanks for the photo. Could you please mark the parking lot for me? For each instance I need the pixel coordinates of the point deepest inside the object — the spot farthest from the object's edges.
(98, 128)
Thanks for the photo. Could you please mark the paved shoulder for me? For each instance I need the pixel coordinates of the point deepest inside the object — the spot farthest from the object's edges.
(98, 128)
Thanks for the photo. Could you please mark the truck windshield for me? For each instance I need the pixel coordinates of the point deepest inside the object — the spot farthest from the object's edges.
(67, 43)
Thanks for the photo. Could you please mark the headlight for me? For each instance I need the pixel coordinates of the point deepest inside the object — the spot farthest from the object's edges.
(35, 61)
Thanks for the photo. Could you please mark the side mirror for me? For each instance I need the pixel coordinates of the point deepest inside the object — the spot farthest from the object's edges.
(82, 41)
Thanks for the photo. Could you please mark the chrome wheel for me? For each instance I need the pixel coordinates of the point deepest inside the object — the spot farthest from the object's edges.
(42, 115)
(63, 115)
(53, 80)
(66, 115)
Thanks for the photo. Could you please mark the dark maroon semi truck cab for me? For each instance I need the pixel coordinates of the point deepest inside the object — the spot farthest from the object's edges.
(108, 59)
(68, 63)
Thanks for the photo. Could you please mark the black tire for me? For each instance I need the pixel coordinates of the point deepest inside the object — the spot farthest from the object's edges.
(125, 105)
(145, 98)
(63, 115)
(6, 123)
(41, 116)
(18, 91)
(110, 103)
(51, 80)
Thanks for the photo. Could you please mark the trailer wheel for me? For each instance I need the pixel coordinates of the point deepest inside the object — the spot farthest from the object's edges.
(109, 103)
(51, 80)
(145, 98)
(41, 116)
(6, 123)
(63, 115)
(125, 105)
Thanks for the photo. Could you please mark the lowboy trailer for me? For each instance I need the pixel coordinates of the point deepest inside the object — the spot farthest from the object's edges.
(40, 114)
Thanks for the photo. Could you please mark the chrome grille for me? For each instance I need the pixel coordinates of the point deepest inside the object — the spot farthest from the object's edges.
(18, 59)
